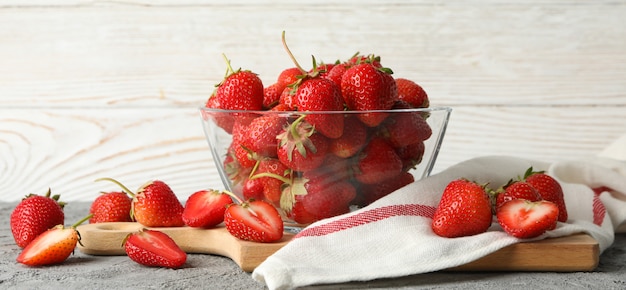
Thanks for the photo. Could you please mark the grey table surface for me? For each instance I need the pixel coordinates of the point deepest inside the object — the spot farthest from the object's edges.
(216, 272)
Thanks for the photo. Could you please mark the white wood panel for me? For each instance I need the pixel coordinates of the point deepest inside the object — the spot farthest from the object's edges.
(110, 88)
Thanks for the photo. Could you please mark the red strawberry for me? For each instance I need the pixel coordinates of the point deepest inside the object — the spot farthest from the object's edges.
(154, 204)
(402, 129)
(301, 148)
(412, 93)
(154, 249)
(319, 94)
(377, 162)
(549, 189)
(240, 90)
(34, 215)
(222, 120)
(372, 192)
(464, 210)
(53, 246)
(205, 208)
(516, 190)
(271, 95)
(526, 219)
(411, 155)
(271, 174)
(367, 87)
(352, 140)
(315, 196)
(336, 73)
(235, 171)
(256, 221)
(111, 207)
(260, 136)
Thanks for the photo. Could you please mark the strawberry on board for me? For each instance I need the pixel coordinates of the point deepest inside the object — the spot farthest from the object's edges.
(464, 210)
(527, 219)
(549, 189)
(52, 246)
(154, 204)
(516, 190)
(112, 206)
(253, 220)
(34, 215)
(205, 208)
(154, 248)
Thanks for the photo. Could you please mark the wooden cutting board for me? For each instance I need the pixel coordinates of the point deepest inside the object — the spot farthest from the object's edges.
(578, 252)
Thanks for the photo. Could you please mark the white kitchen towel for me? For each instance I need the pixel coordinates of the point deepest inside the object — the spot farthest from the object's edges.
(392, 237)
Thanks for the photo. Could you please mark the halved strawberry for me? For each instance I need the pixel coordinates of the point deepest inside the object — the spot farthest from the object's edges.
(205, 208)
(52, 246)
(154, 249)
(527, 219)
(256, 221)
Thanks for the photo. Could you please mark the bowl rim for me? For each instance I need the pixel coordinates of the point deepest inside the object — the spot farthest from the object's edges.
(262, 112)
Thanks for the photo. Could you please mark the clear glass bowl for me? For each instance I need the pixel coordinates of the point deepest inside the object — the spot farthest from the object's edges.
(357, 168)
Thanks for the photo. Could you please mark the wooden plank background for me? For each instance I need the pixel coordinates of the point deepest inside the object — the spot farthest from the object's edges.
(111, 88)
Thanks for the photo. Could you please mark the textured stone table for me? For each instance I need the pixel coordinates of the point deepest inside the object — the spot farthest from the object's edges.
(215, 272)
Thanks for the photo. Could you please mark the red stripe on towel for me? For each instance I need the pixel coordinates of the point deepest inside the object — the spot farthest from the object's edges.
(598, 210)
(367, 217)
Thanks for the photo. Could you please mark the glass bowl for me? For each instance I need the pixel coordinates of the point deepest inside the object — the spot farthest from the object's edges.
(315, 165)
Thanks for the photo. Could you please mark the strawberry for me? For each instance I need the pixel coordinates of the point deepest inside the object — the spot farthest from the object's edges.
(373, 192)
(271, 95)
(111, 207)
(316, 195)
(319, 94)
(516, 190)
(402, 129)
(411, 155)
(34, 215)
(270, 175)
(549, 189)
(240, 90)
(253, 220)
(301, 148)
(154, 248)
(260, 135)
(412, 93)
(527, 219)
(205, 208)
(154, 204)
(289, 76)
(367, 87)
(352, 140)
(53, 246)
(222, 120)
(336, 73)
(464, 210)
(377, 162)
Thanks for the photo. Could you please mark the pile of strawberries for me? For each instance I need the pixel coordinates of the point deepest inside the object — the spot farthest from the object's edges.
(37, 222)
(525, 208)
(314, 165)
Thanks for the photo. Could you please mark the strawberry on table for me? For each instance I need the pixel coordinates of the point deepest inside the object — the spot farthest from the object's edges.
(526, 219)
(154, 248)
(154, 204)
(205, 208)
(549, 189)
(34, 215)
(52, 246)
(112, 206)
(464, 210)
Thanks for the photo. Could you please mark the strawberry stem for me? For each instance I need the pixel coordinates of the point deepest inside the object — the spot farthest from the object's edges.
(232, 196)
(81, 221)
(272, 175)
(291, 54)
(124, 188)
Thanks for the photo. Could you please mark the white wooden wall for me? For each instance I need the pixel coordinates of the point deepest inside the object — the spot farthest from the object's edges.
(111, 88)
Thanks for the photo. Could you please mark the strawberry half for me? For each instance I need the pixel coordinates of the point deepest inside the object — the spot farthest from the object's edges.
(205, 208)
(51, 247)
(527, 219)
(154, 249)
(256, 221)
